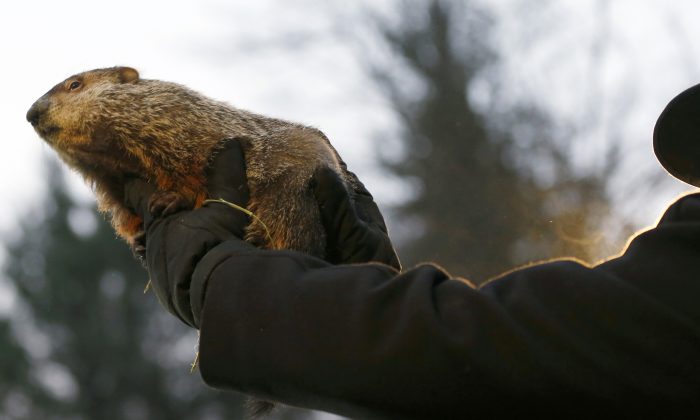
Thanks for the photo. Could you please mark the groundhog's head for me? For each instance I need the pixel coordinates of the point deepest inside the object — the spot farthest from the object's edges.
(110, 121)
(74, 116)
(111, 125)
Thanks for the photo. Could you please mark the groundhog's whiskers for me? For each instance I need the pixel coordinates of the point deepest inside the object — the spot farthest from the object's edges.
(244, 210)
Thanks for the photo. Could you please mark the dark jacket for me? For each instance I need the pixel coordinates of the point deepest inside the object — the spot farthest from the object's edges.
(556, 339)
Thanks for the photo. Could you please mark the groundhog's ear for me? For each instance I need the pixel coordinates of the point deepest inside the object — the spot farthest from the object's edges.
(128, 75)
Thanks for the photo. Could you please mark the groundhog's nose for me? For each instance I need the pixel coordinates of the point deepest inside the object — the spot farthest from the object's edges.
(35, 112)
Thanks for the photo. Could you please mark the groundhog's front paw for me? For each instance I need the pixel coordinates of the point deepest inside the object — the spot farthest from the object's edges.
(165, 203)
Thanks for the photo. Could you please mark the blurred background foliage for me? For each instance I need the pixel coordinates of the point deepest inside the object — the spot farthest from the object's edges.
(477, 207)
(492, 179)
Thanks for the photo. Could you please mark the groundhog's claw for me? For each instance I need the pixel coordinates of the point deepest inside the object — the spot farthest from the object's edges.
(138, 245)
(165, 203)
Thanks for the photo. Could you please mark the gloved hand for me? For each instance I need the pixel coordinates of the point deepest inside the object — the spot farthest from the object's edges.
(355, 228)
(175, 243)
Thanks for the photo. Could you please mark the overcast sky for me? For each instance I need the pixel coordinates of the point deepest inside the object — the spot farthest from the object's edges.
(230, 50)
(200, 44)
(612, 64)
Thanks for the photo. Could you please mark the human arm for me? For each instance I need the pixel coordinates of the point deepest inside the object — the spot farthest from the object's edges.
(366, 341)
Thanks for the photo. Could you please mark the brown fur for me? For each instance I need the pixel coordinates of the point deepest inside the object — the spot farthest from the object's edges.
(109, 125)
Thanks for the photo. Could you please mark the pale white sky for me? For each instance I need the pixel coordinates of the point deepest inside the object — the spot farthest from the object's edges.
(230, 50)
(649, 51)
(199, 44)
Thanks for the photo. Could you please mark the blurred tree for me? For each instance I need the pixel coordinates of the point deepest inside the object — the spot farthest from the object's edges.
(17, 388)
(493, 187)
(112, 352)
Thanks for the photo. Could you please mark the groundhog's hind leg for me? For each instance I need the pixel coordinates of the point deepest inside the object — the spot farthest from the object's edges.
(291, 216)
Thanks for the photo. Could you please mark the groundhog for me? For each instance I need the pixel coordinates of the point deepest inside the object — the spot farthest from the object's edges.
(110, 125)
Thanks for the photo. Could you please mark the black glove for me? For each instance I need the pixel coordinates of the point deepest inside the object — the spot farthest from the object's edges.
(175, 243)
(355, 228)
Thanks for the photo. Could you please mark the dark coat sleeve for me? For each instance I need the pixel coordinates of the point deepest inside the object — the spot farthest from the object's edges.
(365, 341)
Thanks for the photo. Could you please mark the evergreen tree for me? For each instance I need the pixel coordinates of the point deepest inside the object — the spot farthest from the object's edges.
(113, 352)
(17, 388)
(478, 207)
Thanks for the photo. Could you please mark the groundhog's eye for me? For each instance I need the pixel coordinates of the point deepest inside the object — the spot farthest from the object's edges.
(74, 85)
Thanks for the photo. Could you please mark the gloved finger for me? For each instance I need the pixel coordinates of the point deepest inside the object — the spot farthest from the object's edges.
(350, 239)
(335, 204)
(157, 262)
(171, 261)
(364, 203)
(226, 174)
(137, 195)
